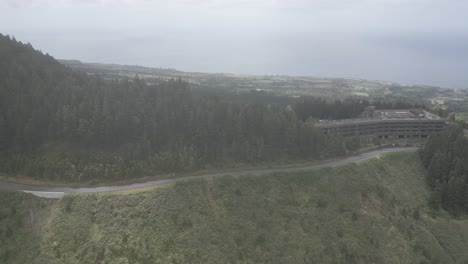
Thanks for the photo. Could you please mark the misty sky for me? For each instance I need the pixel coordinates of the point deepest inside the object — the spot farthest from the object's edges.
(408, 41)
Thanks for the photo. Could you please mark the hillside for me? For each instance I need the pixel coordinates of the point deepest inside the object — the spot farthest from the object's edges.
(57, 124)
(371, 212)
(61, 125)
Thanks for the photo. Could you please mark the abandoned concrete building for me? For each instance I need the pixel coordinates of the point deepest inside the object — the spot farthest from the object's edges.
(387, 124)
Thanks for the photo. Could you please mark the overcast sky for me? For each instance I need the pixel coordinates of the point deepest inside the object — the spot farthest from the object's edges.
(408, 41)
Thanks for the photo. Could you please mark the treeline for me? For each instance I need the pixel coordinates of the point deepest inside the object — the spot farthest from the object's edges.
(63, 125)
(445, 157)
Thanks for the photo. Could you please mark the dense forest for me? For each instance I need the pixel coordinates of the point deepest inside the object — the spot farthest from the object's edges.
(58, 124)
(446, 158)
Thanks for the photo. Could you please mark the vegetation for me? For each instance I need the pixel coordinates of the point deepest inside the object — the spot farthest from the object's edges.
(462, 116)
(335, 88)
(371, 212)
(446, 158)
(21, 220)
(57, 124)
(439, 100)
(60, 125)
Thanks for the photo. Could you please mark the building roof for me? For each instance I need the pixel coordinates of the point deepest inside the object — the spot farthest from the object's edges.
(372, 116)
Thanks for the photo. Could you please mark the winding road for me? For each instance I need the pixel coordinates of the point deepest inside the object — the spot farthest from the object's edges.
(58, 192)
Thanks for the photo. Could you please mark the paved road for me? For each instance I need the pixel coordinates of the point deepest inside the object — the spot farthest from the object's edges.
(58, 192)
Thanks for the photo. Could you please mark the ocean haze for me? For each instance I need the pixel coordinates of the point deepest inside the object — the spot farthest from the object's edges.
(411, 42)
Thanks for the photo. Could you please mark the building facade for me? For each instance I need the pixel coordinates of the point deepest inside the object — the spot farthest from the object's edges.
(386, 124)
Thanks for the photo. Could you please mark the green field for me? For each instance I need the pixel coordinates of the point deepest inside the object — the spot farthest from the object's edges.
(371, 212)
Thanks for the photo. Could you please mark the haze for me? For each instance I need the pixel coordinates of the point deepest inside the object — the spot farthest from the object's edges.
(412, 41)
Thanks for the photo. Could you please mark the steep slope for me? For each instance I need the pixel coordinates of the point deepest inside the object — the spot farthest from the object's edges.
(371, 212)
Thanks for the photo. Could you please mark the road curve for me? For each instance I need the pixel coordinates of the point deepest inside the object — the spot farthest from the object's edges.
(58, 192)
